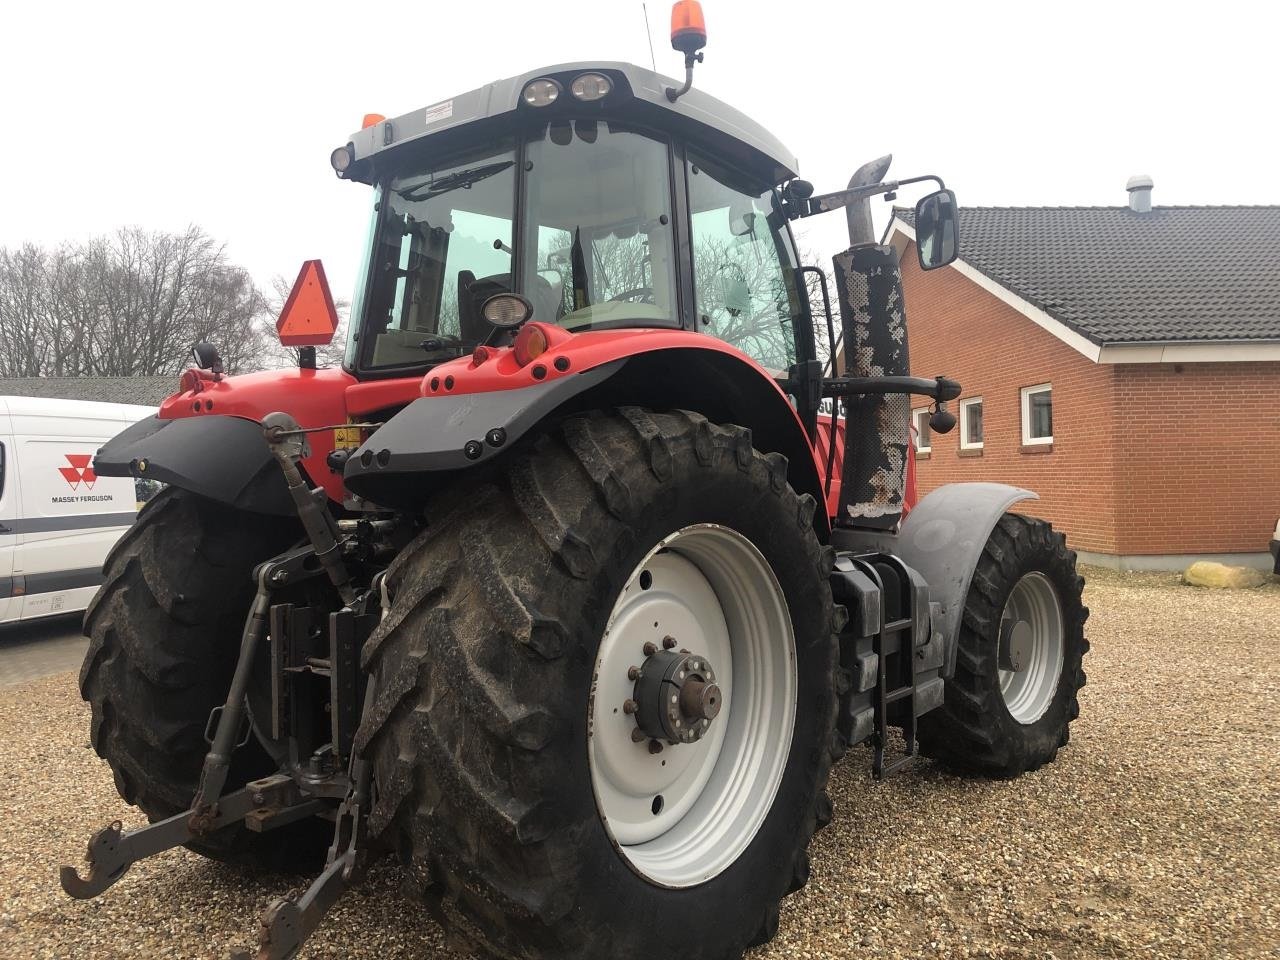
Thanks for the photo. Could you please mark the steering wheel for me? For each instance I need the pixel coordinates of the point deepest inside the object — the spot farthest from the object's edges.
(641, 294)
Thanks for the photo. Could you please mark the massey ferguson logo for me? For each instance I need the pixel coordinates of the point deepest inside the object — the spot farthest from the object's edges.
(79, 472)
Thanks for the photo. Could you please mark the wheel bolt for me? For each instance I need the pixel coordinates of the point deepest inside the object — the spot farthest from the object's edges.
(650, 648)
(668, 643)
(638, 735)
(630, 707)
(633, 673)
(655, 747)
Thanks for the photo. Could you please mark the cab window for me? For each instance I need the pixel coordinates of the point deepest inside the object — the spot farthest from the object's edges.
(743, 265)
(443, 247)
(598, 236)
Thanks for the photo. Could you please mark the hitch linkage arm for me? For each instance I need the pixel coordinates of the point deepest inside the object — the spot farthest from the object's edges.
(112, 852)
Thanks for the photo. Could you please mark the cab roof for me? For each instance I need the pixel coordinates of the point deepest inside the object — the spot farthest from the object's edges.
(638, 95)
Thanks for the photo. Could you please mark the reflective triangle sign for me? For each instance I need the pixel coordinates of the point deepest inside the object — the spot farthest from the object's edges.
(309, 318)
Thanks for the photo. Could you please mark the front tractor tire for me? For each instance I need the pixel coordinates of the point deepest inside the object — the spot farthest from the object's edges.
(605, 696)
(1009, 707)
(164, 634)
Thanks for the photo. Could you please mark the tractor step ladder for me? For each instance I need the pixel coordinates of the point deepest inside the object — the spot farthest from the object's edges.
(903, 688)
(890, 606)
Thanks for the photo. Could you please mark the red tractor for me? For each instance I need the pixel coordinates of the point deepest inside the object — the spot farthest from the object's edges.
(560, 586)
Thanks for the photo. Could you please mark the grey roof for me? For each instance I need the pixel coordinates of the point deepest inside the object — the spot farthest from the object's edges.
(148, 391)
(1115, 276)
(502, 97)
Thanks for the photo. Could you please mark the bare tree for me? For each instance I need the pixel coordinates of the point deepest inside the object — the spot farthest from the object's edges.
(130, 304)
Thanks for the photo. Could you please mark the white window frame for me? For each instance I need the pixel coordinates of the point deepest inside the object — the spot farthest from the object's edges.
(915, 423)
(965, 442)
(1027, 394)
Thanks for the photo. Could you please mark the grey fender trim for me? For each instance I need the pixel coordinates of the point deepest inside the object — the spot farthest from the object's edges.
(942, 538)
(219, 457)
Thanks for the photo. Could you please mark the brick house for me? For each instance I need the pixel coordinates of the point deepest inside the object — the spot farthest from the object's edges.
(1123, 362)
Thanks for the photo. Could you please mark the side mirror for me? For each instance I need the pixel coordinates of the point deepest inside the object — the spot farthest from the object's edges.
(205, 356)
(937, 230)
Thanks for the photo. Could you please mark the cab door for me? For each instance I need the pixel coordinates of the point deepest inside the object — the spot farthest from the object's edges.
(9, 513)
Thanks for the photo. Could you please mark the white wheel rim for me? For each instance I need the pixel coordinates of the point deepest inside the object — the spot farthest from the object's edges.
(712, 590)
(1028, 692)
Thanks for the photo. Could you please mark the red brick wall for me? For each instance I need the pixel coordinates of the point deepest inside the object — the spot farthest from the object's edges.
(958, 329)
(1144, 460)
(1200, 457)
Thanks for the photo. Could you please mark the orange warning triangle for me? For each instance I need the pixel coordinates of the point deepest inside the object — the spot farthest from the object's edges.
(308, 318)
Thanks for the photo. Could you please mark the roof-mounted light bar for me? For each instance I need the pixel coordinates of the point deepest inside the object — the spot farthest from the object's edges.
(587, 87)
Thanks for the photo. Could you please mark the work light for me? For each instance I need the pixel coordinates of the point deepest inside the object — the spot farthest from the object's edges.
(590, 87)
(507, 310)
(341, 159)
(541, 93)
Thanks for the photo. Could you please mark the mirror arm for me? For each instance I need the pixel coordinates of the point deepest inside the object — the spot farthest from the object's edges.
(940, 389)
(824, 203)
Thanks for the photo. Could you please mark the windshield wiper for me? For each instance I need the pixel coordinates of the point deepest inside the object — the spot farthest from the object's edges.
(462, 178)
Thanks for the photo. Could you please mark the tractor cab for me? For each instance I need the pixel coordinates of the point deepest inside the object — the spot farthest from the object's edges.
(586, 191)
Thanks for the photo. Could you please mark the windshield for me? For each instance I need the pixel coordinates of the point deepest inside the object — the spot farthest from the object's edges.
(597, 227)
(442, 247)
(596, 246)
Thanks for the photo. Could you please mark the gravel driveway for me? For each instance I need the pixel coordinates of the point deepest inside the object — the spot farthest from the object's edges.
(1156, 834)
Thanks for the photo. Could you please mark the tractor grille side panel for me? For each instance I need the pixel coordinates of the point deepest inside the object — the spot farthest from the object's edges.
(869, 287)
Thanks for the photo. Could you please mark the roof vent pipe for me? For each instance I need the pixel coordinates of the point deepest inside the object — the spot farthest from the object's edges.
(1139, 187)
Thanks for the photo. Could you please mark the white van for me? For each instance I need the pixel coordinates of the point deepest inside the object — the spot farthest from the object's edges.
(57, 518)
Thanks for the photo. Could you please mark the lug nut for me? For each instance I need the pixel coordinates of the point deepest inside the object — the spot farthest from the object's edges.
(655, 747)
(630, 707)
(633, 673)
(638, 735)
(668, 643)
(650, 648)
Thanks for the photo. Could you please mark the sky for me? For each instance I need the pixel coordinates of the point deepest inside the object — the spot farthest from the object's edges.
(224, 114)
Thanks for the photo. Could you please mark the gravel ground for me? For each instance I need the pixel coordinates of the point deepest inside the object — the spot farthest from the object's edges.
(1156, 833)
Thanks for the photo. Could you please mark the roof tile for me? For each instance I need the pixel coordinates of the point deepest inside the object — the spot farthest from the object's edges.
(1116, 276)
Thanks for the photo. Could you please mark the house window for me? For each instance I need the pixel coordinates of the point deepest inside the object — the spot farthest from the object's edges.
(1037, 414)
(971, 424)
(924, 437)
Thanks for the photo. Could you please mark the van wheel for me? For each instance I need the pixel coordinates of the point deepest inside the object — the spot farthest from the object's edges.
(164, 632)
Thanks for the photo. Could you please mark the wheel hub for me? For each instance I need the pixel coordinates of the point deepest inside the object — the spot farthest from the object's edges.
(676, 696)
(1016, 640)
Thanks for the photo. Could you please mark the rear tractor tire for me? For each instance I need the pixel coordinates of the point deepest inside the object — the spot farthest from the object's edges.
(1009, 706)
(164, 634)
(606, 699)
